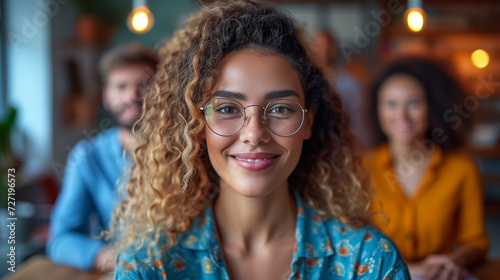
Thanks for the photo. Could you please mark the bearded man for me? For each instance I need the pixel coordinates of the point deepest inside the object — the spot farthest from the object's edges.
(96, 166)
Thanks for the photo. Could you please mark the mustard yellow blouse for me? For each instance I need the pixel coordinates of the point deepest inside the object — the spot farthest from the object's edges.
(446, 210)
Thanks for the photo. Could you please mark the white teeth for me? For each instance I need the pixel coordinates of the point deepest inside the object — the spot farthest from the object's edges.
(250, 160)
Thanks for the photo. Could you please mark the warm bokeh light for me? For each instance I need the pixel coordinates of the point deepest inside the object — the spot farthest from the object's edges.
(480, 58)
(140, 20)
(415, 20)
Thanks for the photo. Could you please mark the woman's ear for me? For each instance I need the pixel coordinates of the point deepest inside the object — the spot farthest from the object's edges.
(308, 121)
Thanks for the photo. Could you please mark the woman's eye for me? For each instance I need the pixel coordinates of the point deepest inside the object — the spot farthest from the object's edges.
(228, 110)
(414, 103)
(390, 104)
(281, 109)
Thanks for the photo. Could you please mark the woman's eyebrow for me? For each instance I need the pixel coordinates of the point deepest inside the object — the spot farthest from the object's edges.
(270, 95)
(280, 94)
(230, 94)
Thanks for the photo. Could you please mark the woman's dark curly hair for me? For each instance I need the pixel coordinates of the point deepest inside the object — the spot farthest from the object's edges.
(172, 180)
(442, 93)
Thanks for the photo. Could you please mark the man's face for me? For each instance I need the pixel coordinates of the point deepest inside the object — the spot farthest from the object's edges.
(124, 91)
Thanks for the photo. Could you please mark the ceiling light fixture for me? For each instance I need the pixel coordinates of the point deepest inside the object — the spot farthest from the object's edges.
(140, 19)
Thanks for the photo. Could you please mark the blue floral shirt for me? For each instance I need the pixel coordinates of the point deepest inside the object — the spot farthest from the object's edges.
(324, 250)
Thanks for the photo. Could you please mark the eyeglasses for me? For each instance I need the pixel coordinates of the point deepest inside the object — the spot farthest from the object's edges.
(226, 117)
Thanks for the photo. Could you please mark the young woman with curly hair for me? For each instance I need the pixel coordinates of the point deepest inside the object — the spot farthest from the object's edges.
(429, 190)
(245, 168)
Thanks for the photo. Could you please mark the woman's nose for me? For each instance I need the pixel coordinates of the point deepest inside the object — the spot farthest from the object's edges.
(402, 112)
(254, 131)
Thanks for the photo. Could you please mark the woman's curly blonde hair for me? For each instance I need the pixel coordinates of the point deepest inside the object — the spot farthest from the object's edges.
(173, 181)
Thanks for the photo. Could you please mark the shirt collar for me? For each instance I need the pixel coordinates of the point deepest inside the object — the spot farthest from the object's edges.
(202, 235)
(436, 158)
(385, 157)
(311, 233)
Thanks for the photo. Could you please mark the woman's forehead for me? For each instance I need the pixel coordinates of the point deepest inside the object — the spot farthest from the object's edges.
(254, 74)
(402, 85)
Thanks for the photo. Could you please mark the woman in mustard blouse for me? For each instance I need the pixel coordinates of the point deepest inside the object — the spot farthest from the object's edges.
(429, 197)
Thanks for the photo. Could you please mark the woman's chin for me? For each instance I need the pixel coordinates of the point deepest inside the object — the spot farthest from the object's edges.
(252, 189)
(404, 139)
(253, 192)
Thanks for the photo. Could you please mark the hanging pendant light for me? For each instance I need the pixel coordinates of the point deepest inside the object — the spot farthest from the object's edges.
(415, 15)
(140, 19)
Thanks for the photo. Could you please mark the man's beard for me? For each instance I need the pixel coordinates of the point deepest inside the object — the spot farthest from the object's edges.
(115, 115)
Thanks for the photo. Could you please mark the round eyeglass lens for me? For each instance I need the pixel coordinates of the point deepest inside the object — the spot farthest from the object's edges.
(226, 117)
(284, 117)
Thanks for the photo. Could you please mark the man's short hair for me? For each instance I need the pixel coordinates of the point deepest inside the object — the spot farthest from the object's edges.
(125, 55)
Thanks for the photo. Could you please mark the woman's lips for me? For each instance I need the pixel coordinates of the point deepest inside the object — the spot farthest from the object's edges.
(255, 161)
(403, 127)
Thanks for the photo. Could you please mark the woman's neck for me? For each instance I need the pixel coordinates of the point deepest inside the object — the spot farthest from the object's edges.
(409, 158)
(251, 223)
(402, 151)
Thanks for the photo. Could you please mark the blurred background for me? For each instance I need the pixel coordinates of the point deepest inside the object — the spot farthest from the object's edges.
(50, 88)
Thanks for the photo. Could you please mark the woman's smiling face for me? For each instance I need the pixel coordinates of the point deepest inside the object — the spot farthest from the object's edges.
(255, 162)
(403, 109)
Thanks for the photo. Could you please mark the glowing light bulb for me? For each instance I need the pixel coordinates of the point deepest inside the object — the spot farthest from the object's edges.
(480, 58)
(415, 20)
(140, 20)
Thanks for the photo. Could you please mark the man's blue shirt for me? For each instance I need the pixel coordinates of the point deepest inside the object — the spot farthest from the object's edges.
(93, 171)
